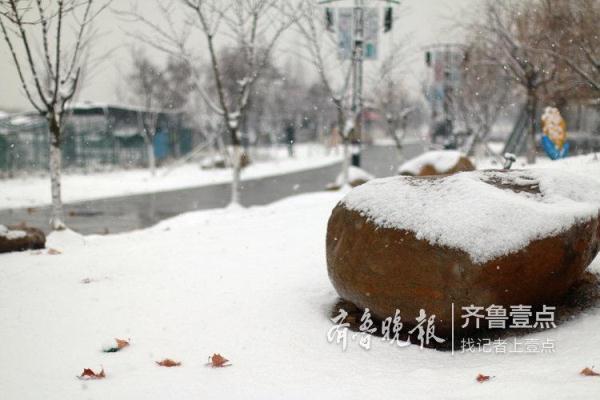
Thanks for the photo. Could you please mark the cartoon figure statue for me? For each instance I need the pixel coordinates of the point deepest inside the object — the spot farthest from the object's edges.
(555, 134)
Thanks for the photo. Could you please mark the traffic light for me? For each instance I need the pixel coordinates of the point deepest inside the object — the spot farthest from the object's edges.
(388, 20)
(329, 19)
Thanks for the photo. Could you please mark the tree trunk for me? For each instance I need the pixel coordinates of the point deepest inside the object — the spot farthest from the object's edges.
(346, 162)
(237, 167)
(392, 129)
(471, 144)
(345, 146)
(531, 145)
(57, 217)
(151, 157)
(476, 142)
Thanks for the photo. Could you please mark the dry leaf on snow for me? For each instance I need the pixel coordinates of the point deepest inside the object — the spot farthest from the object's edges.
(53, 252)
(589, 372)
(121, 344)
(482, 378)
(88, 373)
(167, 362)
(218, 361)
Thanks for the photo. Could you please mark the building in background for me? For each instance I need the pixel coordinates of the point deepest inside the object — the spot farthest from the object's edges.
(96, 135)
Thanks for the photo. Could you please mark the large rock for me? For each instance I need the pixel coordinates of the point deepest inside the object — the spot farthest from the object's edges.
(19, 238)
(439, 162)
(482, 238)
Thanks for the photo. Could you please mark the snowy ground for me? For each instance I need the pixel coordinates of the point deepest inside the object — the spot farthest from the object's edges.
(252, 285)
(35, 191)
(229, 281)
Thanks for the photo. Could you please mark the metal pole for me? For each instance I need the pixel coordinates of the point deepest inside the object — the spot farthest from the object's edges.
(357, 70)
(357, 73)
(448, 93)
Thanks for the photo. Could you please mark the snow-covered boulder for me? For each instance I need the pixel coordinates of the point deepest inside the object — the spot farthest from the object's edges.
(356, 177)
(19, 238)
(480, 237)
(212, 162)
(439, 162)
(218, 162)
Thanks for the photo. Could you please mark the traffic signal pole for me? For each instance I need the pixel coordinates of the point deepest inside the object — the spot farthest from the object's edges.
(358, 71)
(357, 83)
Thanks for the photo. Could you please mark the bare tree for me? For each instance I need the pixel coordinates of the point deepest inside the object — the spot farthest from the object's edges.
(389, 94)
(50, 79)
(146, 83)
(157, 90)
(393, 102)
(512, 33)
(234, 70)
(483, 93)
(573, 39)
(334, 74)
(253, 26)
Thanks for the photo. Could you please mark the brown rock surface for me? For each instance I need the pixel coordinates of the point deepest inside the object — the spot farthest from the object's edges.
(385, 269)
(33, 239)
(353, 183)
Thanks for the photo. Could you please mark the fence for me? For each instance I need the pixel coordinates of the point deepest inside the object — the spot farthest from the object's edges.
(93, 138)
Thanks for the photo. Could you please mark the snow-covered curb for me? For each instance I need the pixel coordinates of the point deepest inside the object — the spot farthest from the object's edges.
(35, 191)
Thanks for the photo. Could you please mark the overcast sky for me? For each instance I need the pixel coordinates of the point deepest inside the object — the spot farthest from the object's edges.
(426, 20)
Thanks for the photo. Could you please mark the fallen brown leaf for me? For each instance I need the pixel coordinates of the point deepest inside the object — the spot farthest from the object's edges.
(482, 378)
(88, 373)
(218, 361)
(121, 343)
(167, 362)
(53, 252)
(589, 372)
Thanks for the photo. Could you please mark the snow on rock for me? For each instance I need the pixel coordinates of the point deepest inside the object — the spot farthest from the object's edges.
(586, 165)
(214, 161)
(11, 234)
(441, 160)
(464, 212)
(355, 174)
